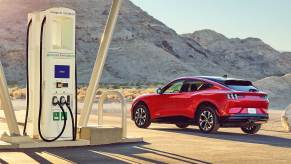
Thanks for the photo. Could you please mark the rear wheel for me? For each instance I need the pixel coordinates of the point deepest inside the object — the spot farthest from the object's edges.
(251, 128)
(142, 116)
(207, 119)
(182, 125)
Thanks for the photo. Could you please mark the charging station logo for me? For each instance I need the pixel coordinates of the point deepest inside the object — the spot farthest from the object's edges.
(61, 55)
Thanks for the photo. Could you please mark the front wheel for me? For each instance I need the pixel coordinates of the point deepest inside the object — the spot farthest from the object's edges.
(142, 116)
(251, 128)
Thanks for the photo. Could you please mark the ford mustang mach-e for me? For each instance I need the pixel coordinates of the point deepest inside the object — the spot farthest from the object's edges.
(207, 101)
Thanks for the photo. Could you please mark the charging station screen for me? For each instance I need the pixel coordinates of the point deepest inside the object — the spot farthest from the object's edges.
(62, 71)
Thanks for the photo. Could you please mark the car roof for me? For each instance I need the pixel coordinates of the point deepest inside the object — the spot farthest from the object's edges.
(217, 79)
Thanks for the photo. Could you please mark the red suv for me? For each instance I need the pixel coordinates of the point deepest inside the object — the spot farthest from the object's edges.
(207, 101)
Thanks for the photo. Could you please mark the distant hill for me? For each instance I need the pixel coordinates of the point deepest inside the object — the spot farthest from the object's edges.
(249, 58)
(278, 89)
(144, 50)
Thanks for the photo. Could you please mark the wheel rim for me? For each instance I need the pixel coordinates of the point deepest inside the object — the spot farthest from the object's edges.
(140, 116)
(206, 120)
(250, 127)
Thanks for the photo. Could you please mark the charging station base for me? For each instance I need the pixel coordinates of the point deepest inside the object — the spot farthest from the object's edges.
(15, 139)
(88, 136)
(35, 143)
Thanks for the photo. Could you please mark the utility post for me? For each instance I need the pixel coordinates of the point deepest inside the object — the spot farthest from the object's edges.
(99, 63)
(6, 105)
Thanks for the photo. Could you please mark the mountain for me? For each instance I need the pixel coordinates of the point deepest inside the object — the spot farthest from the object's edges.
(278, 89)
(249, 58)
(143, 49)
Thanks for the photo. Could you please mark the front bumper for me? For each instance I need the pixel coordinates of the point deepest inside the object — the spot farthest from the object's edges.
(243, 119)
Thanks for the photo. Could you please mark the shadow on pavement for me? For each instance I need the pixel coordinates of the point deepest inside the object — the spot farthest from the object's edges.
(115, 153)
(257, 138)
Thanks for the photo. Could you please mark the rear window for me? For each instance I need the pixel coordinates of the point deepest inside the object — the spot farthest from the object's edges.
(240, 85)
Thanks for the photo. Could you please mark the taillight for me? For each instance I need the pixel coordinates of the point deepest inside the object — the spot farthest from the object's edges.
(232, 96)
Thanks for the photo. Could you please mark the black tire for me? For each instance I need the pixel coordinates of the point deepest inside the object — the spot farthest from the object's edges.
(141, 116)
(182, 125)
(251, 128)
(207, 119)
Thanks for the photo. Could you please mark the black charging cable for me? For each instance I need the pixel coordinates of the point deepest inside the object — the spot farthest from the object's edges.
(27, 78)
(74, 128)
(64, 125)
(40, 93)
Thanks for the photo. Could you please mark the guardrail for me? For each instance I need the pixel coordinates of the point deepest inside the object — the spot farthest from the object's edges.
(123, 108)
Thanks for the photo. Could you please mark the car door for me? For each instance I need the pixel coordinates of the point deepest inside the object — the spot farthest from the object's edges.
(191, 86)
(169, 99)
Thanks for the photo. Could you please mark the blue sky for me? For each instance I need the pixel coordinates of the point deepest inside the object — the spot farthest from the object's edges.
(269, 20)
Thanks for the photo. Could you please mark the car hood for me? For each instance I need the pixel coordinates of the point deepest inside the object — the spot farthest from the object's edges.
(144, 96)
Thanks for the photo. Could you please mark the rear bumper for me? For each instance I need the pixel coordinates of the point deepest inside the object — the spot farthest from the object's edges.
(243, 119)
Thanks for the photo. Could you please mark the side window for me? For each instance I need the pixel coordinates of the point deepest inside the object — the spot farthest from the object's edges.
(205, 86)
(196, 85)
(174, 87)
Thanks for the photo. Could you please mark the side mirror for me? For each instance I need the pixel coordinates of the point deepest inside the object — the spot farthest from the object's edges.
(159, 90)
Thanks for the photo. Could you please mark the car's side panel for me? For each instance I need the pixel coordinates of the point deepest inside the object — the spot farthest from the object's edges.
(151, 102)
(177, 104)
(183, 104)
(168, 103)
(211, 97)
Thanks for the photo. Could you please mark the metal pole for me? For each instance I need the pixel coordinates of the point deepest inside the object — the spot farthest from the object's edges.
(99, 63)
(123, 109)
(7, 105)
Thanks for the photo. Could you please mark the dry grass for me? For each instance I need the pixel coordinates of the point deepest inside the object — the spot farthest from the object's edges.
(17, 93)
(129, 93)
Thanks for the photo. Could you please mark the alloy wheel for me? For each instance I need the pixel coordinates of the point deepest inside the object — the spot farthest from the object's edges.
(206, 120)
(140, 116)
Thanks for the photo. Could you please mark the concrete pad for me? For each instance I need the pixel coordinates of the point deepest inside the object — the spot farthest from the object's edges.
(41, 144)
(131, 140)
(15, 139)
(6, 145)
(100, 135)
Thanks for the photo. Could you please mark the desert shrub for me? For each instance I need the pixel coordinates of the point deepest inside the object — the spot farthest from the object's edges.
(128, 92)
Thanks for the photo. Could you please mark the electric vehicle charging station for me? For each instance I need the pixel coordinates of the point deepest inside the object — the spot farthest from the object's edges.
(51, 87)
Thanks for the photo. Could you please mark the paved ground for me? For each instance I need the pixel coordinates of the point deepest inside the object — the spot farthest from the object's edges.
(168, 144)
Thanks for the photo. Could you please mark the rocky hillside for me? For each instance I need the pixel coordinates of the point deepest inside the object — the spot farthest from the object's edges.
(249, 58)
(278, 89)
(144, 50)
